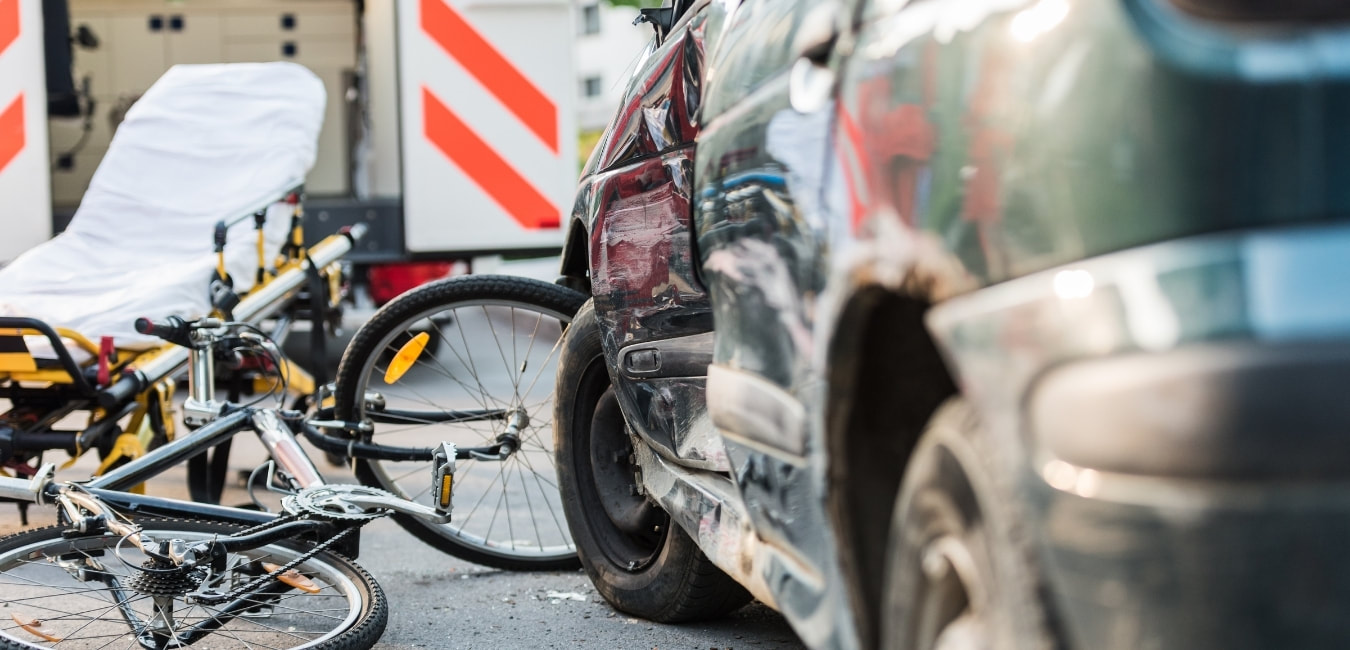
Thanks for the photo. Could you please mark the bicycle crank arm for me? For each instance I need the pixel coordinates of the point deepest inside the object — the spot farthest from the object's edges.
(396, 504)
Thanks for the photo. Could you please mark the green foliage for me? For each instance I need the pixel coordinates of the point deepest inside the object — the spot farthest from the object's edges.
(586, 141)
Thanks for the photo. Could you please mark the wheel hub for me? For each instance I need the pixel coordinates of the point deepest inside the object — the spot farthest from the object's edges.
(630, 529)
(156, 577)
(615, 474)
(953, 591)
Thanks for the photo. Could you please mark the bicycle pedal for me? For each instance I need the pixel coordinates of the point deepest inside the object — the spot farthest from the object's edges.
(443, 476)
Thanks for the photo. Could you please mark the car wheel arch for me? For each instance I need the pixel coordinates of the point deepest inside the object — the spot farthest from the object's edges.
(576, 258)
(885, 380)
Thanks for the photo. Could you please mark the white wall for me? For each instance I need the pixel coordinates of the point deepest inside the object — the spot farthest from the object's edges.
(609, 55)
(25, 199)
(382, 162)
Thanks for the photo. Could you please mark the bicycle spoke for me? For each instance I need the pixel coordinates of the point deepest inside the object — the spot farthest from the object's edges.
(473, 370)
(556, 347)
(428, 401)
(420, 468)
(480, 501)
(540, 477)
(489, 436)
(105, 611)
(545, 494)
(268, 628)
(497, 512)
(510, 368)
(530, 507)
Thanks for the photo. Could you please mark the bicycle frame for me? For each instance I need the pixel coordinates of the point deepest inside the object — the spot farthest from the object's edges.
(217, 422)
(42, 490)
(276, 435)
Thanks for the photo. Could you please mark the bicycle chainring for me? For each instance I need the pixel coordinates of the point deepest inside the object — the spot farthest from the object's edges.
(328, 502)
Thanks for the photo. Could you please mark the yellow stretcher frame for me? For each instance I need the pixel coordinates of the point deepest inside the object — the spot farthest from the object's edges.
(64, 386)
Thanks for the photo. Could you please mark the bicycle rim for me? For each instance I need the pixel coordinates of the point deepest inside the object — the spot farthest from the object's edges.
(54, 595)
(481, 355)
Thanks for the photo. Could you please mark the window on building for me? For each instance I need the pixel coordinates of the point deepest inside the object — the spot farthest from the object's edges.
(590, 87)
(590, 19)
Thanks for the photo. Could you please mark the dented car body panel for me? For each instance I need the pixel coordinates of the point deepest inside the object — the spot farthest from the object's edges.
(1072, 191)
(634, 204)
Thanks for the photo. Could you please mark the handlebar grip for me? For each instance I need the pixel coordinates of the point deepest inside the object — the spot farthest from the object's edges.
(172, 329)
(162, 329)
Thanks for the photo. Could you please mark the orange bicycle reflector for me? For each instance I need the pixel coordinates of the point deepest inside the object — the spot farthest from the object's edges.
(447, 484)
(293, 578)
(407, 355)
(34, 627)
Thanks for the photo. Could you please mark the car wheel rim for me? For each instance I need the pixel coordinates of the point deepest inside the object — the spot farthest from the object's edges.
(629, 530)
(950, 615)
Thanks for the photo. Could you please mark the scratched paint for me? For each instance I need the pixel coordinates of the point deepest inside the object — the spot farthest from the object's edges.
(635, 202)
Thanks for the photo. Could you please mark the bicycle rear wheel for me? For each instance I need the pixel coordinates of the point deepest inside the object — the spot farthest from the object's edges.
(89, 592)
(489, 351)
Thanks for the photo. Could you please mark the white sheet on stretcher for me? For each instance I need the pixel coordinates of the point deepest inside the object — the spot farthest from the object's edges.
(206, 143)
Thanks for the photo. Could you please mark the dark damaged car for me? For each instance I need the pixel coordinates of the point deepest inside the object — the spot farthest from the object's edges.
(971, 323)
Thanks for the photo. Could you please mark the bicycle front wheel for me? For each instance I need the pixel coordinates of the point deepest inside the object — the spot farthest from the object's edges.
(468, 356)
(92, 592)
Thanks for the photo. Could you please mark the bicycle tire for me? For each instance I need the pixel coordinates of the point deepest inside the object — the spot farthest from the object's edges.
(27, 579)
(452, 312)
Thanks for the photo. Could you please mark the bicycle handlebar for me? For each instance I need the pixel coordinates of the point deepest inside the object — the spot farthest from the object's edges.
(170, 329)
(174, 329)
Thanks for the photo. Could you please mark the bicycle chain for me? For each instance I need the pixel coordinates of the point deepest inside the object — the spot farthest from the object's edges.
(238, 592)
(273, 523)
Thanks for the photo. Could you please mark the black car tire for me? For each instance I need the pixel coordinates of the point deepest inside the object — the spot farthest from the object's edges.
(658, 573)
(960, 570)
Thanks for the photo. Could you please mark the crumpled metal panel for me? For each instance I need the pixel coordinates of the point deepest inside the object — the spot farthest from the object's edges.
(659, 110)
(642, 266)
(708, 507)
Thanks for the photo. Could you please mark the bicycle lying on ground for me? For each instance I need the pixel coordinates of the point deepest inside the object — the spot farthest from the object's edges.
(162, 573)
(159, 573)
